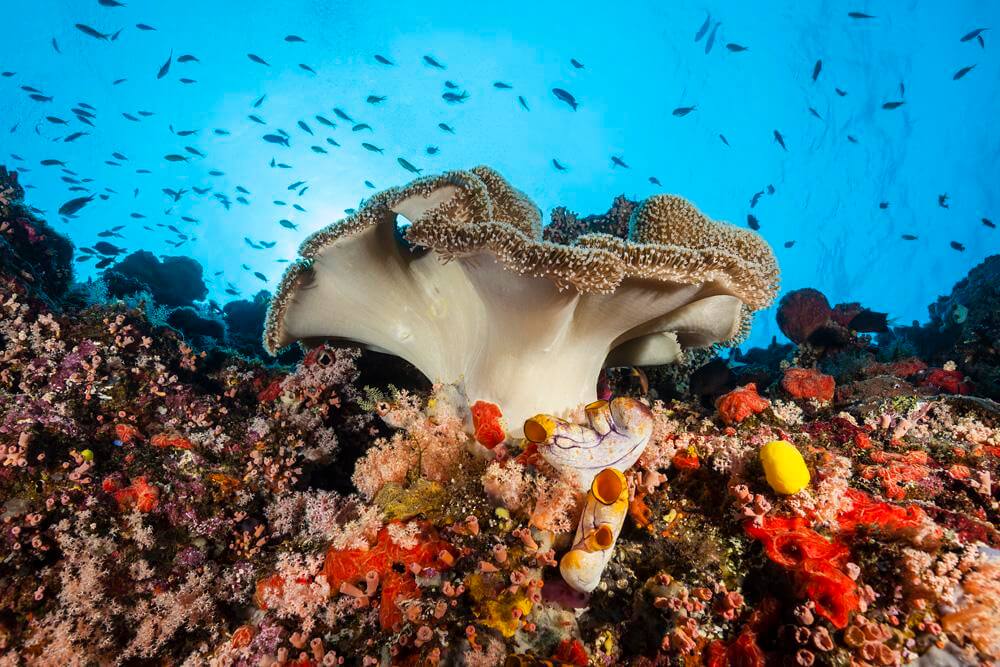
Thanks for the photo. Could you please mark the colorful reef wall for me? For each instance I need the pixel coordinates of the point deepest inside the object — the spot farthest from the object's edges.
(172, 495)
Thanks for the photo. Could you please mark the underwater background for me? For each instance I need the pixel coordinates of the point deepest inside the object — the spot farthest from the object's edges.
(884, 140)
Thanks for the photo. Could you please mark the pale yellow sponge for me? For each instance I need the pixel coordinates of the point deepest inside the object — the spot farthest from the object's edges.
(784, 467)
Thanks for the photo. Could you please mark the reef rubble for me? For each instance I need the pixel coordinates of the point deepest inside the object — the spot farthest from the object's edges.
(829, 502)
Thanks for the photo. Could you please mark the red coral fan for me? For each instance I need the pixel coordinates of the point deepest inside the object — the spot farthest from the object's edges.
(870, 513)
(349, 566)
(815, 562)
(903, 368)
(571, 652)
(950, 382)
(175, 441)
(740, 403)
(895, 469)
(127, 433)
(808, 383)
(140, 494)
(486, 422)
(843, 313)
(802, 312)
(272, 392)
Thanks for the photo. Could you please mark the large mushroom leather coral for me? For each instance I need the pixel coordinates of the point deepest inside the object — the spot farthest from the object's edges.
(523, 323)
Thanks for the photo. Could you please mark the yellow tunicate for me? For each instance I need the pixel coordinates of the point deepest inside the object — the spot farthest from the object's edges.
(784, 467)
(88, 455)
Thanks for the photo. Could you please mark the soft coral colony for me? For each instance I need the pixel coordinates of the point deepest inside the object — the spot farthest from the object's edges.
(169, 505)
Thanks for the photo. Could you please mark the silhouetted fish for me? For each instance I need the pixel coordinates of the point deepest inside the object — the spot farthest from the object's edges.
(74, 205)
(165, 67)
(680, 112)
(780, 139)
(559, 166)
(373, 148)
(565, 96)
(432, 62)
(383, 60)
(522, 102)
(703, 29)
(257, 59)
(654, 180)
(293, 38)
(753, 222)
(711, 38)
(962, 72)
(405, 164)
(869, 321)
(958, 246)
(576, 63)
(736, 48)
(618, 162)
(893, 105)
(909, 237)
(722, 138)
(943, 200)
(860, 15)
(989, 223)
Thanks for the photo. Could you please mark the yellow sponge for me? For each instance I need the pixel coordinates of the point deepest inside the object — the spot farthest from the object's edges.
(784, 467)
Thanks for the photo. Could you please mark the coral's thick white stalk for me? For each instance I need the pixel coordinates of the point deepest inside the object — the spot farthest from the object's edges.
(600, 523)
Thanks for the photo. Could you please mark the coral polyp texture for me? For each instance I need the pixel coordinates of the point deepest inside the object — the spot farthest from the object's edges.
(163, 503)
(521, 322)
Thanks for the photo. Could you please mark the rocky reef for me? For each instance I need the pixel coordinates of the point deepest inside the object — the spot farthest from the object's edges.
(826, 502)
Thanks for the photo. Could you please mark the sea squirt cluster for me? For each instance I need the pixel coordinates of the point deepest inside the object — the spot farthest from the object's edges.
(164, 503)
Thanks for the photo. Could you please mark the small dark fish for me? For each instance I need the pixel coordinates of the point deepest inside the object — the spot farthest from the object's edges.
(325, 121)
(74, 205)
(165, 67)
(962, 72)
(703, 29)
(106, 248)
(305, 127)
(989, 223)
(780, 139)
(372, 147)
(680, 112)
(260, 276)
(318, 149)
(815, 113)
(40, 98)
(736, 48)
(883, 205)
(893, 105)
(340, 113)
(84, 258)
(118, 81)
(451, 84)
(305, 67)
(87, 30)
(454, 98)
(789, 244)
(943, 200)
(75, 136)
(256, 119)
(576, 63)
(752, 222)
(655, 181)
(860, 15)
(145, 27)
(146, 114)
(187, 58)
(972, 35)
(295, 185)
(173, 157)
(558, 166)
(332, 142)
(194, 151)
(407, 166)
(618, 162)
(287, 224)
(259, 101)
(957, 246)
(56, 120)
(523, 102)
(909, 237)
(432, 150)
(852, 139)
(447, 128)
(109, 3)
(869, 321)
(501, 85)
(840, 92)
(817, 68)
(902, 89)
(565, 96)
(383, 60)
(722, 138)
(982, 44)
(51, 162)
(376, 99)
(294, 39)
(107, 261)
(433, 63)
(361, 126)
(711, 38)
(257, 59)
(756, 198)
(712, 379)
(55, 45)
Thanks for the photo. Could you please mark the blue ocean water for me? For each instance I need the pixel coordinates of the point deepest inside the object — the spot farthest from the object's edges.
(753, 72)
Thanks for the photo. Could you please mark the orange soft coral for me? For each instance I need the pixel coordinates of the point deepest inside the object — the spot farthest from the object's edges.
(808, 383)
(740, 403)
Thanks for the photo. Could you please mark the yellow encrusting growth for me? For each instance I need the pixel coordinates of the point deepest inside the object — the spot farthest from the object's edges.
(784, 467)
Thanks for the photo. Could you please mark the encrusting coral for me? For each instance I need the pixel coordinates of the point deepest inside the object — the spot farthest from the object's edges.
(522, 323)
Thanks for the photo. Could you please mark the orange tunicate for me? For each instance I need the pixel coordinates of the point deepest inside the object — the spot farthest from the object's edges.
(486, 423)
(140, 494)
(127, 433)
(740, 403)
(274, 584)
(808, 383)
(242, 636)
(164, 440)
